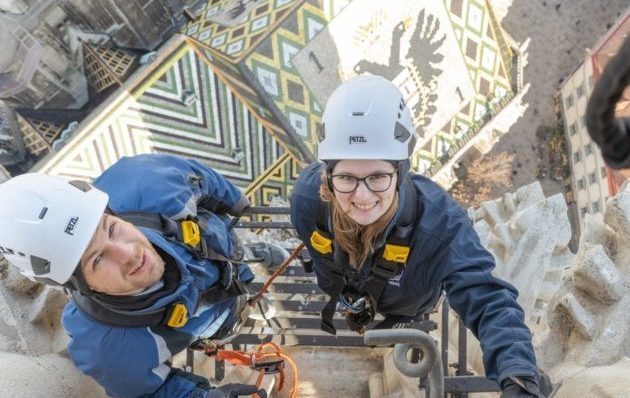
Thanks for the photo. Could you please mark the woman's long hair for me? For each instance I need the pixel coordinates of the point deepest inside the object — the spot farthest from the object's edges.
(355, 239)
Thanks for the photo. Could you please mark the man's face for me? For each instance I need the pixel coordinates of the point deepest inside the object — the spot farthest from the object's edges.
(363, 205)
(120, 260)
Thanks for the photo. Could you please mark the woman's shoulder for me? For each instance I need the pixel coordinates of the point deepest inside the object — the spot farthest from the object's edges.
(437, 206)
(309, 181)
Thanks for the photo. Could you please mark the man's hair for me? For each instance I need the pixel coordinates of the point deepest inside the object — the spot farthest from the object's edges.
(355, 239)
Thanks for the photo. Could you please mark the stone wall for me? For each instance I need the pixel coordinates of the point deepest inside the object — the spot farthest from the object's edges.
(33, 343)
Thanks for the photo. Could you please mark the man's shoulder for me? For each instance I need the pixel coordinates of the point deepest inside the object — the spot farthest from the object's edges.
(88, 332)
(137, 167)
(150, 182)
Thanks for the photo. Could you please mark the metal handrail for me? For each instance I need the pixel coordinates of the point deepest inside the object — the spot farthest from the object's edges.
(430, 364)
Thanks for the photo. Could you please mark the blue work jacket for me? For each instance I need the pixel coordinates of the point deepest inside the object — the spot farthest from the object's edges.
(132, 362)
(446, 255)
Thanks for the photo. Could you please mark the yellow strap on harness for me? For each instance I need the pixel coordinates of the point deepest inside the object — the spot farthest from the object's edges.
(321, 243)
(190, 233)
(178, 317)
(396, 253)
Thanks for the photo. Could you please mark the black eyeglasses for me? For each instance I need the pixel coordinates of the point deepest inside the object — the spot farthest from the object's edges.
(377, 182)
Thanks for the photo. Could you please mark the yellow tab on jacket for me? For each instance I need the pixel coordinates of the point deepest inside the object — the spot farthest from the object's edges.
(190, 233)
(178, 317)
(396, 253)
(321, 243)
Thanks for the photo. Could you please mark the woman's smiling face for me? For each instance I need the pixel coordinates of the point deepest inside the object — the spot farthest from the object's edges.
(363, 205)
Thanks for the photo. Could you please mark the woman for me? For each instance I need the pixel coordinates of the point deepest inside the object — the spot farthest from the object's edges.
(388, 241)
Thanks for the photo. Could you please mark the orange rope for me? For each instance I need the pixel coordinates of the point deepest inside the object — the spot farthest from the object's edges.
(242, 358)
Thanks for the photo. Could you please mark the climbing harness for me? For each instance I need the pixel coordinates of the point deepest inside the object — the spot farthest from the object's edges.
(211, 346)
(359, 294)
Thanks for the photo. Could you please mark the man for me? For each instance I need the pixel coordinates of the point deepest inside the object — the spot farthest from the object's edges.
(142, 290)
(384, 240)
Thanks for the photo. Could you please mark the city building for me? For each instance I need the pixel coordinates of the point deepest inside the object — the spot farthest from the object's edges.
(41, 42)
(4, 174)
(11, 148)
(592, 183)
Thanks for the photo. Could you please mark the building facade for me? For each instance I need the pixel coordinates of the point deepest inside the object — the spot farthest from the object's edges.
(589, 180)
(592, 182)
(41, 42)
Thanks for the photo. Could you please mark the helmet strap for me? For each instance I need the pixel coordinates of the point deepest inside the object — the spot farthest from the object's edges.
(403, 170)
(77, 282)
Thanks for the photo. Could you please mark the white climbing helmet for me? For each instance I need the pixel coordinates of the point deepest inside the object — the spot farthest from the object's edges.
(46, 223)
(366, 118)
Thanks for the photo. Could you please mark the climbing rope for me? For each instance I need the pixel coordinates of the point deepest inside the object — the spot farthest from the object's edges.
(252, 300)
(266, 362)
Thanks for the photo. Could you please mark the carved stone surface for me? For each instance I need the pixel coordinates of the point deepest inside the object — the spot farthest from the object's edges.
(577, 306)
(528, 235)
(595, 331)
(13, 6)
(48, 375)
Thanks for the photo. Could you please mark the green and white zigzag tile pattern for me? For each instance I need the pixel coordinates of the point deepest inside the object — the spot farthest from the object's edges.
(237, 82)
(216, 129)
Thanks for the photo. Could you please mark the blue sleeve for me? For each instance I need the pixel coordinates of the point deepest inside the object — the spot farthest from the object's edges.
(486, 304)
(127, 362)
(166, 184)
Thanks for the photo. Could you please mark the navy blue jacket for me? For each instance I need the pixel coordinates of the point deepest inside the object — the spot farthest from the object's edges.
(446, 255)
(132, 362)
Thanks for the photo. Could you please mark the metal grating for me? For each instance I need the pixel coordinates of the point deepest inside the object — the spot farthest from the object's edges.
(298, 301)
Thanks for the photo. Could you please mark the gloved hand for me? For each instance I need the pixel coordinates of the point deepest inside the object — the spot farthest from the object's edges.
(235, 390)
(520, 387)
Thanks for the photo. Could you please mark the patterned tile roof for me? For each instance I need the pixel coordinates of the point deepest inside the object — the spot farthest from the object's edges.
(245, 90)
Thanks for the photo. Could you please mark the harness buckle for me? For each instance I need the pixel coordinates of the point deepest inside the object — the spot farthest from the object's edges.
(385, 270)
(321, 243)
(306, 260)
(191, 235)
(396, 253)
(178, 316)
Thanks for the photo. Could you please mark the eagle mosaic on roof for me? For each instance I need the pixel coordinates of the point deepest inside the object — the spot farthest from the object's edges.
(446, 57)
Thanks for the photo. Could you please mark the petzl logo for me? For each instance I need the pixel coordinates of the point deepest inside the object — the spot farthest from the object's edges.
(71, 224)
(357, 139)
